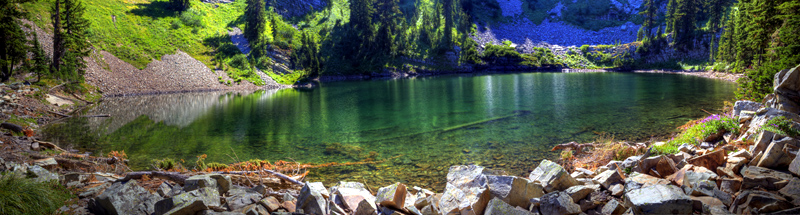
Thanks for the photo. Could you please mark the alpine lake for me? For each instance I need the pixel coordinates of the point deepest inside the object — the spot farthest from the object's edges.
(405, 130)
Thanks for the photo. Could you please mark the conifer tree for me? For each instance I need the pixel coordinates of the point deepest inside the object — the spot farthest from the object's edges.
(683, 23)
(649, 14)
(40, 62)
(180, 5)
(72, 45)
(255, 20)
(390, 18)
(12, 38)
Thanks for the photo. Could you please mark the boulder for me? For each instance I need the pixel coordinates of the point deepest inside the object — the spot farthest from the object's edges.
(521, 191)
(466, 191)
(794, 167)
(630, 162)
(659, 199)
(581, 191)
(365, 207)
(126, 198)
(787, 81)
(617, 190)
(638, 180)
(253, 210)
(645, 165)
(613, 207)
(238, 198)
(164, 189)
(351, 194)
(552, 176)
(710, 161)
(740, 106)
(270, 203)
(705, 203)
(558, 203)
(792, 191)
(498, 207)
(189, 203)
(666, 166)
(220, 182)
(392, 196)
(313, 199)
(734, 164)
(608, 178)
(691, 178)
(774, 156)
(764, 178)
(759, 202)
(762, 141)
(730, 186)
(703, 188)
(47, 163)
(40, 174)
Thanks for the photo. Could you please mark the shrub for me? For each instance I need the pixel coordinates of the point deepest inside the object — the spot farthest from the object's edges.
(239, 62)
(783, 126)
(166, 164)
(193, 18)
(25, 196)
(180, 5)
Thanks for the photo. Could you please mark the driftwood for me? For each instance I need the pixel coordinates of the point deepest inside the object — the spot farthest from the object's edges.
(60, 114)
(277, 174)
(171, 176)
(11, 126)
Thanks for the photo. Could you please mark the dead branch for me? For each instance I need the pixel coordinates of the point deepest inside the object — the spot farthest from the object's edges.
(171, 176)
(60, 114)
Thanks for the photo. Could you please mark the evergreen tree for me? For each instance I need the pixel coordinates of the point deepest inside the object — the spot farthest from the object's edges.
(40, 62)
(649, 14)
(716, 11)
(683, 23)
(672, 6)
(255, 21)
(391, 19)
(448, 8)
(72, 44)
(12, 38)
(726, 50)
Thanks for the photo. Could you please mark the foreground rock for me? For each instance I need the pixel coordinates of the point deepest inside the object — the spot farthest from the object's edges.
(552, 176)
(126, 198)
(659, 199)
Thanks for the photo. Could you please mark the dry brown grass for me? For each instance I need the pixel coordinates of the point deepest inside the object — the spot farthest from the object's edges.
(605, 150)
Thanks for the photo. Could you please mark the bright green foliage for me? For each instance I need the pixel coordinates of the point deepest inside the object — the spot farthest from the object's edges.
(70, 41)
(25, 196)
(761, 39)
(697, 133)
(783, 126)
(470, 54)
(255, 20)
(501, 54)
(716, 11)
(180, 5)
(12, 38)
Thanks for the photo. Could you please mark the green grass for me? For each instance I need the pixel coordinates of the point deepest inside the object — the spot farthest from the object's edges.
(783, 126)
(287, 79)
(145, 30)
(697, 133)
(25, 196)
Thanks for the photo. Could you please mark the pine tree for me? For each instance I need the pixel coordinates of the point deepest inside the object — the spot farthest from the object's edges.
(649, 15)
(672, 6)
(72, 43)
(683, 23)
(390, 18)
(255, 21)
(726, 51)
(40, 62)
(448, 8)
(12, 39)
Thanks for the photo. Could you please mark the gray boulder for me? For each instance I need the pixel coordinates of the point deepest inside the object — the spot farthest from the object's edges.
(126, 198)
(498, 207)
(774, 156)
(466, 191)
(765, 178)
(40, 174)
(759, 202)
(581, 191)
(222, 183)
(351, 194)
(239, 198)
(613, 207)
(312, 198)
(552, 176)
(740, 106)
(608, 178)
(365, 207)
(558, 203)
(792, 191)
(189, 203)
(638, 180)
(659, 199)
(514, 190)
(392, 196)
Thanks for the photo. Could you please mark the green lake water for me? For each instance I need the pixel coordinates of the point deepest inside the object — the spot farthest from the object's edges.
(414, 128)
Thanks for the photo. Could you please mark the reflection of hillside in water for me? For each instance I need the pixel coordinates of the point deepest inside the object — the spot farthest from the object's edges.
(173, 109)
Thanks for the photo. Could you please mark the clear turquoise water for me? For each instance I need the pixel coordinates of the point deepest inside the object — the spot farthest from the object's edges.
(504, 121)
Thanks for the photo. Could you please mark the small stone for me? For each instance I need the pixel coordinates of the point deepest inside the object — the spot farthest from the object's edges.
(498, 207)
(47, 163)
(703, 188)
(164, 189)
(270, 203)
(617, 190)
(730, 186)
(393, 196)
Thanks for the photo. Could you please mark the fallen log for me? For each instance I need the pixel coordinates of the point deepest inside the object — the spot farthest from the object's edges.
(171, 176)
(11, 126)
(277, 174)
(60, 114)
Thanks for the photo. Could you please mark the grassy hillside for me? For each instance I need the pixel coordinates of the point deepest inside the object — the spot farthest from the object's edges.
(139, 31)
